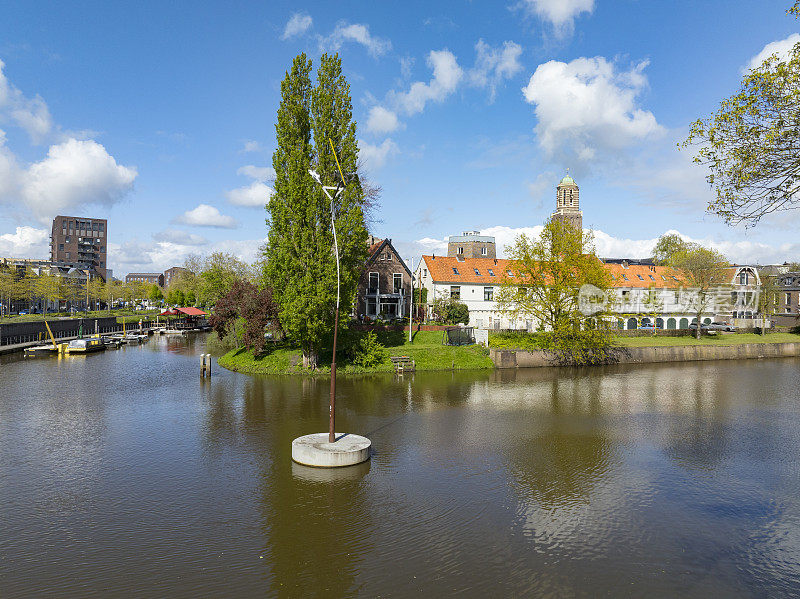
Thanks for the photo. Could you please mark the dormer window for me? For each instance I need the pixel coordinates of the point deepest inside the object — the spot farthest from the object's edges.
(483, 251)
(477, 272)
(460, 250)
(641, 278)
(491, 272)
(652, 278)
(625, 277)
(509, 273)
(455, 271)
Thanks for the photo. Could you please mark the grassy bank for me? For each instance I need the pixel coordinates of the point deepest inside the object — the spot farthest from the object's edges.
(426, 350)
(531, 341)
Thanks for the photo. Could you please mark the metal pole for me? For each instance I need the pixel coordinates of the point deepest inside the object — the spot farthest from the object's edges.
(331, 424)
(411, 303)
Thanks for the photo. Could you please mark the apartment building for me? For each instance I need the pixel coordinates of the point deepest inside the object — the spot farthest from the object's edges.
(81, 242)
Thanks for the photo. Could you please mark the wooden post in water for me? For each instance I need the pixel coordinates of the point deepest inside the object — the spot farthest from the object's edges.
(205, 365)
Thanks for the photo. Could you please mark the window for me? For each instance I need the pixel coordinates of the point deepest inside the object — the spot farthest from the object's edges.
(663, 278)
(483, 251)
(389, 256)
(652, 278)
(509, 273)
(491, 272)
(613, 278)
(488, 294)
(424, 272)
(676, 279)
(460, 250)
(455, 291)
(102, 226)
(788, 298)
(67, 239)
(373, 282)
(743, 278)
(477, 272)
(371, 307)
(641, 278)
(397, 282)
(455, 271)
(625, 277)
(67, 255)
(60, 247)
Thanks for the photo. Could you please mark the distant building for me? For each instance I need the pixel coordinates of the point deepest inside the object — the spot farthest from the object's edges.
(145, 277)
(384, 288)
(568, 208)
(80, 242)
(788, 299)
(172, 273)
(471, 244)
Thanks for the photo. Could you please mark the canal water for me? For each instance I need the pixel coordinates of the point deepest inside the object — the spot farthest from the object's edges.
(124, 474)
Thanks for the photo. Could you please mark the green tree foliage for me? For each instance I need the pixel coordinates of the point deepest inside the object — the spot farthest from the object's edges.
(751, 144)
(216, 277)
(368, 352)
(549, 273)
(666, 247)
(300, 262)
(448, 310)
(244, 301)
(706, 274)
(768, 297)
(155, 294)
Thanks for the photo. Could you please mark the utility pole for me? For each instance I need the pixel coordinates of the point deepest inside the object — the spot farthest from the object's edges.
(411, 303)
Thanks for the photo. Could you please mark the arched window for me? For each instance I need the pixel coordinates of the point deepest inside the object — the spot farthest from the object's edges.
(706, 321)
(670, 323)
(632, 324)
(659, 323)
(684, 323)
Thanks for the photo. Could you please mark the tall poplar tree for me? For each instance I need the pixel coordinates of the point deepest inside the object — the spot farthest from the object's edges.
(300, 259)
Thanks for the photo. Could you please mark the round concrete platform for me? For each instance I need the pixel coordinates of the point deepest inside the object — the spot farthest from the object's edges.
(314, 450)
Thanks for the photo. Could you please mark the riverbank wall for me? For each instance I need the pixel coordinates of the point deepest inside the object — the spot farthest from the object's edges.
(515, 358)
(16, 333)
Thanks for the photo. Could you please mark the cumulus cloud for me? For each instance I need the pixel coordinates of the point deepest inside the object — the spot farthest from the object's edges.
(206, 216)
(298, 24)
(177, 237)
(259, 173)
(250, 145)
(560, 13)
(382, 120)
(780, 47)
(493, 65)
(446, 77)
(31, 114)
(254, 195)
(72, 175)
(26, 242)
(257, 193)
(375, 157)
(356, 33)
(588, 108)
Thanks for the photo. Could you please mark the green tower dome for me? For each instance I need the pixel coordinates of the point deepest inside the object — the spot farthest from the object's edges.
(567, 180)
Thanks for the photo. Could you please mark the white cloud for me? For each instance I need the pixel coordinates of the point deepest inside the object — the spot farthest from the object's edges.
(250, 145)
(254, 195)
(446, 77)
(298, 24)
(356, 33)
(26, 242)
(206, 216)
(375, 157)
(587, 108)
(382, 120)
(75, 173)
(259, 173)
(493, 65)
(560, 13)
(31, 114)
(780, 47)
(177, 237)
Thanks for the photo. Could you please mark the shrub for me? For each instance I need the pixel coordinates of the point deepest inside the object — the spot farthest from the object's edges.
(368, 352)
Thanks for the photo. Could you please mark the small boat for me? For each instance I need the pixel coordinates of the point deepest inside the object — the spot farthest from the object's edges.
(112, 342)
(85, 346)
(41, 350)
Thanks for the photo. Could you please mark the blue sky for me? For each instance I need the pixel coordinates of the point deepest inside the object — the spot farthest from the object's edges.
(161, 118)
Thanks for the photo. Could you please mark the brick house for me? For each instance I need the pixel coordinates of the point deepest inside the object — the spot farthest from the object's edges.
(384, 288)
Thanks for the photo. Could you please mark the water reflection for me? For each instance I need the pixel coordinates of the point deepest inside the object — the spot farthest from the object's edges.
(125, 470)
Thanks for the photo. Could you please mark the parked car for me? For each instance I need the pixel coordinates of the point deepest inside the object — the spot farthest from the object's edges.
(714, 326)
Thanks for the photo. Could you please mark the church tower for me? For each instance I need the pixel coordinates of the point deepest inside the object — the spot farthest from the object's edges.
(568, 206)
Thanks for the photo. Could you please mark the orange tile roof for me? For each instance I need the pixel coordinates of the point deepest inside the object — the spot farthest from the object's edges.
(441, 270)
(662, 276)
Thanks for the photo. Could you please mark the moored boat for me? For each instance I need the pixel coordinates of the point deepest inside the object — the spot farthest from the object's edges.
(85, 346)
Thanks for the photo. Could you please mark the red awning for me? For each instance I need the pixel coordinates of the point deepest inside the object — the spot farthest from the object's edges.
(191, 311)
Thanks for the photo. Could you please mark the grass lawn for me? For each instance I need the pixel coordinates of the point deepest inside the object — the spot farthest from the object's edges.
(426, 350)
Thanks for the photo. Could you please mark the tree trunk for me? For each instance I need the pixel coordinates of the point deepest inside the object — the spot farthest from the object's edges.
(310, 358)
